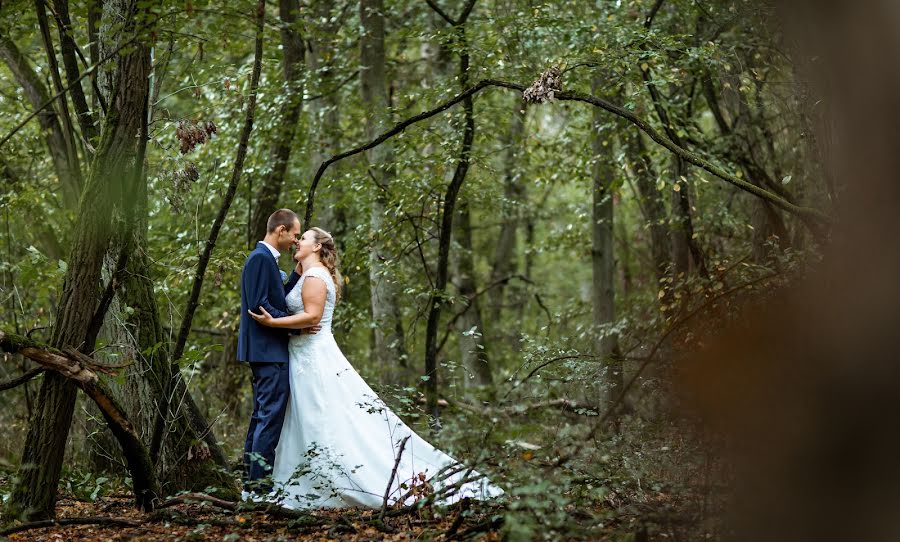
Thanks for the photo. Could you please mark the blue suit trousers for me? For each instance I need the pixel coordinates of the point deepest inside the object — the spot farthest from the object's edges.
(271, 390)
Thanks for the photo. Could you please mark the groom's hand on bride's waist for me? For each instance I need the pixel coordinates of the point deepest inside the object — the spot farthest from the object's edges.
(310, 330)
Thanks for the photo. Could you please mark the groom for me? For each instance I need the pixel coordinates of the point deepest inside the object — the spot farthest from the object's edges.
(265, 349)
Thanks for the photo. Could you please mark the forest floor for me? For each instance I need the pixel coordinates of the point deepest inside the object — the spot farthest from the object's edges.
(653, 521)
(199, 521)
(685, 506)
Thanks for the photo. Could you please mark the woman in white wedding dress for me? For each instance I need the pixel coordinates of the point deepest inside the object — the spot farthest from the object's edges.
(340, 442)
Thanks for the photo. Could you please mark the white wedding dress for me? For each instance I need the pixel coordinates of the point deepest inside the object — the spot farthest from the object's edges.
(339, 442)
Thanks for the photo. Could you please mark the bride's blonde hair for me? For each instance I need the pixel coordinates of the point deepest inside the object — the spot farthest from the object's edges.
(329, 256)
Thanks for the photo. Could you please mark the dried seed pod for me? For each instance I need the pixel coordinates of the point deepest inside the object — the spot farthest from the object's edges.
(545, 88)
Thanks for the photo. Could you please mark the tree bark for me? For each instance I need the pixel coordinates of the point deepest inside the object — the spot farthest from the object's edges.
(390, 348)
(324, 114)
(74, 369)
(603, 267)
(68, 130)
(186, 459)
(682, 225)
(436, 303)
(514, 195)
(653, 208)
(269, 192)
(68, 50)
(112, 175)
(472, 345)
(37, 95)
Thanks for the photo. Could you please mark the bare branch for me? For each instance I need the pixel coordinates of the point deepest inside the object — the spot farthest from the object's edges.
(437, 9)
(813, 218)
(387, 490)
(21, 379)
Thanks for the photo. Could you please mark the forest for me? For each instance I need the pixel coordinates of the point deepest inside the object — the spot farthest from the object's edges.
(635, 261)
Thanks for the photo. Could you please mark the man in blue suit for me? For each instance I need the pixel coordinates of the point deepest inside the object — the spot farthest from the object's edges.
(265, 349)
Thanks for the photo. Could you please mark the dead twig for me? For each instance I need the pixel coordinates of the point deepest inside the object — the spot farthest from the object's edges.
(21, 379)
(387, 490)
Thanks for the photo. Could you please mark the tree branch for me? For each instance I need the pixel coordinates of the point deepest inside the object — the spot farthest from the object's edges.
(237, 171)
(21, 379)
(387, 490)
(112, 54)
(813, 218)
(437, 9)
(146, 486)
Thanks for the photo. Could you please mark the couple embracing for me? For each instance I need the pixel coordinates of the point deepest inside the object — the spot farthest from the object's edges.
(319, 436)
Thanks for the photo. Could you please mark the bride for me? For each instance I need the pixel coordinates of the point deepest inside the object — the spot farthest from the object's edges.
(340, 442)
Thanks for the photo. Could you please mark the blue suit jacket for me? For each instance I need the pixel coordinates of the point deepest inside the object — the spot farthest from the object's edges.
(261, 284)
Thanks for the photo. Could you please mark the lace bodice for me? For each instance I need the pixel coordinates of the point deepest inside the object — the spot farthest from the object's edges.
(295, 299)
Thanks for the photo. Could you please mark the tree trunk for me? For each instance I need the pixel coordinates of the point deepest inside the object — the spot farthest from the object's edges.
(514, 193)
(269, 192)
(53, 68)
(185, 461)
(472, 347)
(390, 349)
(603, 268)
(37, 95)
(324, 114)
(112, 175)
(653, 208)
(68, 52)
(682, 225)
(448, 212)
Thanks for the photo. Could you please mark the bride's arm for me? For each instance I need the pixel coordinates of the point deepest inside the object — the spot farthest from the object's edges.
(313, 293)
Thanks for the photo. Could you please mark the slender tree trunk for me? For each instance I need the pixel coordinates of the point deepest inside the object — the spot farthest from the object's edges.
(68, 130)
(653, 208)
(176, 391)
(682, 225)
(324, 114)
(112, 175)
(448, 212)
(603, 267)
(390, 348)
(514, 193)
(70, 62)
(472, 345)
(37, 94)
(269, 192)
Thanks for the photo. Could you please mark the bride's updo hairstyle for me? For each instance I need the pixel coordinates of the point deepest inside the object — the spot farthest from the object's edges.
(329, 257)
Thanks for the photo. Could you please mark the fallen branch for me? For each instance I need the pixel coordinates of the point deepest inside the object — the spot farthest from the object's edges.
(189, 498)
(124, 522)
(269, 508)
(145, 484)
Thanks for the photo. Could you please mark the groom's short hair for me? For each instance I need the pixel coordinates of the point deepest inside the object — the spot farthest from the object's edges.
(281, 217)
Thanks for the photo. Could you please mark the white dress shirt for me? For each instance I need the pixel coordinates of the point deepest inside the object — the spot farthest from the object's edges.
(272, 249)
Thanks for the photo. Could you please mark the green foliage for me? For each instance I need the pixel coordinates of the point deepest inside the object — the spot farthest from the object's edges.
(539, 334)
